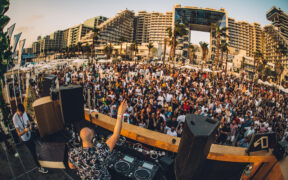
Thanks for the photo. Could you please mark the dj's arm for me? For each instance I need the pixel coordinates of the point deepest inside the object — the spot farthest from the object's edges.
(117, 129)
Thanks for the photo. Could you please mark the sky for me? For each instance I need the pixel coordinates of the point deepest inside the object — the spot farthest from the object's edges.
(43, 17)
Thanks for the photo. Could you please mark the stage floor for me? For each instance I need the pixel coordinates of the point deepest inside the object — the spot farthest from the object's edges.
(24, 167)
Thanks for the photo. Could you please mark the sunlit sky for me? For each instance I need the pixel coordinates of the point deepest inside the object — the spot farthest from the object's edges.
(43, 17)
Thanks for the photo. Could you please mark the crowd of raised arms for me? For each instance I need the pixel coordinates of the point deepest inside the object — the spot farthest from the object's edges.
(159, 96)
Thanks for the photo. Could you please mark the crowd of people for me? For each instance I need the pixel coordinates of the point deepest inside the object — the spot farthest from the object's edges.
(159, 97)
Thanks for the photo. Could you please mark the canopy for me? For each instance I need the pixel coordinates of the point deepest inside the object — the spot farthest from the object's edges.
(207, 70)
(267, 83)
(260, 81)
(159, 62)
(105, 61)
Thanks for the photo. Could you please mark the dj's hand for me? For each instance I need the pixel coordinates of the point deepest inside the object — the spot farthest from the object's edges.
(122, 108)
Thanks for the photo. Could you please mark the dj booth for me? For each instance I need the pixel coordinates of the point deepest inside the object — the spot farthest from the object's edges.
(141, 153)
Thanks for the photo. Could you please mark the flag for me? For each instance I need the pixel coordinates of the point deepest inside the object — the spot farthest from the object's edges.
(16, 39)
(21, 45)
(10, 31)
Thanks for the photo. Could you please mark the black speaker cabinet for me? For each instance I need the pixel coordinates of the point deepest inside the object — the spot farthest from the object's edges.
(198, 135)
(47, 83)
(52, 155)
(72, 103)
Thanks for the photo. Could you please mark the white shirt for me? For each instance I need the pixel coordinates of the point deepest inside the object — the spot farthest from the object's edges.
(160, 100)
(169, 132)
(181, 118)
(21, 123)
(168, 98)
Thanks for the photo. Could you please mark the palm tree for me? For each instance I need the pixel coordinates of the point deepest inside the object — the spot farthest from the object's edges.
(108, 49)
(223, 48)
(116, 53)
(281, 51)
(164, 51)
(122, 40)
(218, 33)
(86, 50)
(243, 63)
(204, 48)
(264, 63)
(95, 38)
(149, 46)
(79, 47)
(133, 47)
(179, 31)
(192, 52)
(257, 58)
(169, 32)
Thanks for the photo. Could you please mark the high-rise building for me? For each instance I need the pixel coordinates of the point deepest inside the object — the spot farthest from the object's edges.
(139, 26)
(152, 27)
(76, 33)
(276, 33)
(95, 21)
(52, 42)
(245, 36)
(120, 25)
(279, 19)
(46, 44)
(58, 40)
(36, 47)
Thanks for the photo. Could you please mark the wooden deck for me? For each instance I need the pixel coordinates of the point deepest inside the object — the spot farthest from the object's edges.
(265, 165)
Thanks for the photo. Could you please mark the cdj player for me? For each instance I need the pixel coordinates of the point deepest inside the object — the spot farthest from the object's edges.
(128, 167)
(130, 159)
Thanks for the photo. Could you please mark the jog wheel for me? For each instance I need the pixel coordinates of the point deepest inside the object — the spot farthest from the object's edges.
(122, 166)
(141, 174)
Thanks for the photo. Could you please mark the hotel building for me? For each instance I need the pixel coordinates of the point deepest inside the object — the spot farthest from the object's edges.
(276, 33)
(245, 36)
(152, 27)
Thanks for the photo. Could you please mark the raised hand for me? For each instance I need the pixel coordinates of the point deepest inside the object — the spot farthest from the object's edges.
(122, 108)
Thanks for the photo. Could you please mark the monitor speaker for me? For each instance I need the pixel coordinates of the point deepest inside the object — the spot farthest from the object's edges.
(48, 83)
(52, 155)
(198, 135)
(48, 116)
(72, 104)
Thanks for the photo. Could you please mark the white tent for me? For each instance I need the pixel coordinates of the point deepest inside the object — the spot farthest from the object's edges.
(187, 67)
(79, 62)
(105, 61)
(267, 83)
(207, 70)
(260, 81)
(285, 90)
(159, 62)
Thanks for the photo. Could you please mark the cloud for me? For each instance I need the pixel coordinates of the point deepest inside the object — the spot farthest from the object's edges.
(23, 28)
(35, 17)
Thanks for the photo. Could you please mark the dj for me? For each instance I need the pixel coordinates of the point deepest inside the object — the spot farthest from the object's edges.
(90, 159)
(23, 129)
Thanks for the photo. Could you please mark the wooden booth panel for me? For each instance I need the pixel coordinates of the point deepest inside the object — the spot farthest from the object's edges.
(217, 152)
(48, 116)
(142, 135)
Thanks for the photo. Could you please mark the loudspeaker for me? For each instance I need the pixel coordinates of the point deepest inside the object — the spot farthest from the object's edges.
(47, 83)
(281, 150)
(72, 103)
(48, 116)
(52, 155)
(262, 141)
(198, 135)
